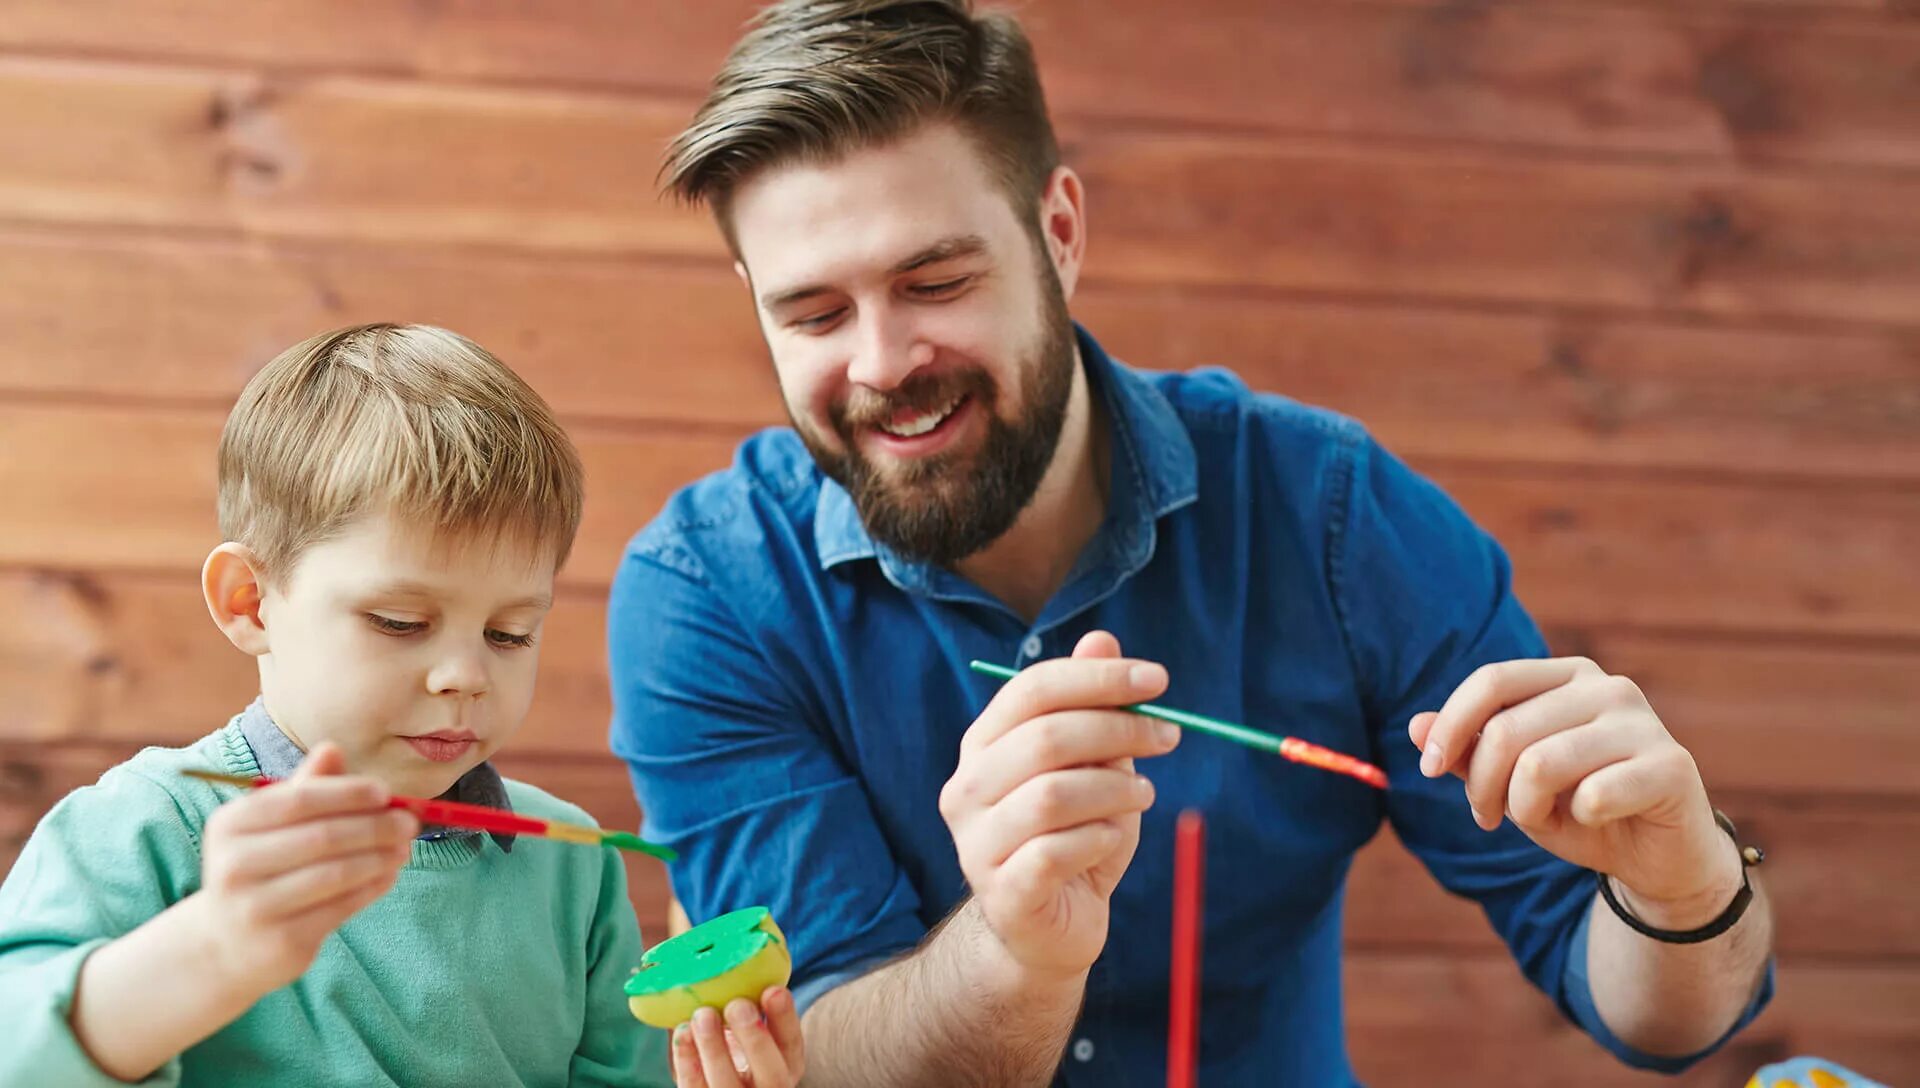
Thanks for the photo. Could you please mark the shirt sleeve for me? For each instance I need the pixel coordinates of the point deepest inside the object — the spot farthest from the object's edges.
(1425, 598)
(104, 860)
(615, 1049)
(736, 773)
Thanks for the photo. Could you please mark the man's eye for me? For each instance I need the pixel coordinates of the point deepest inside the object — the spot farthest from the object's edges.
(819, 321)
(942, 289)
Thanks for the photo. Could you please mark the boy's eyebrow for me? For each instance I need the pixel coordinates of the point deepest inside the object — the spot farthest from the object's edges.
(946, 249)
(421, 589)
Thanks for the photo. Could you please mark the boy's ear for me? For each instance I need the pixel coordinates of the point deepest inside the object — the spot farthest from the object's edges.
(232, 582)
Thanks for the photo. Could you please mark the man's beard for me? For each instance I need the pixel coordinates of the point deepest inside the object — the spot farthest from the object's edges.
(943, 508)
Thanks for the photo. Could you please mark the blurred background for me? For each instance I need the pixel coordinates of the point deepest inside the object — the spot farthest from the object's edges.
(1638, 282)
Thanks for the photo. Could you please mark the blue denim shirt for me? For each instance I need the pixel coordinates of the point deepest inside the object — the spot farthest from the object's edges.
(790, 698)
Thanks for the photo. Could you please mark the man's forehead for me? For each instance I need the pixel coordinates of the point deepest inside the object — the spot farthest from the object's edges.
(867, 211)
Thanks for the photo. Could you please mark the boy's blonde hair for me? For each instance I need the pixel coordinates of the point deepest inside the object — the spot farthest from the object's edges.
(410, 420)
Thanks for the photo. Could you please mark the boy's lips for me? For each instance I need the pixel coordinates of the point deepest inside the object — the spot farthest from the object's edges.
(444, 746)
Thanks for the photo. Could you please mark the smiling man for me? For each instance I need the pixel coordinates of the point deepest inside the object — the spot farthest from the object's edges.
(976, 882)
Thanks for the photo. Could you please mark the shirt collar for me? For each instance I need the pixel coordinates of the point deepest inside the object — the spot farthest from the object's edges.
(1154, 472)
(278, 756)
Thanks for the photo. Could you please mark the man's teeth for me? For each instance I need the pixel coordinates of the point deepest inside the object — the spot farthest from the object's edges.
(920, 425)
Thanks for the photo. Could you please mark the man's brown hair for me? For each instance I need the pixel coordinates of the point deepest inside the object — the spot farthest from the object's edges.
(813, 80)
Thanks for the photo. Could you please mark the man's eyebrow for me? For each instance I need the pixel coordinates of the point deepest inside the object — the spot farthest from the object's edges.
(946, 249)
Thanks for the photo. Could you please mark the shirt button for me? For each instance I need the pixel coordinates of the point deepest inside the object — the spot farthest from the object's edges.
(1083, 1050)
(1031, 648)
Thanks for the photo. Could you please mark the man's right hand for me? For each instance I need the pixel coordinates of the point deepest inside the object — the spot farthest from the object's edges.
(1045, 806)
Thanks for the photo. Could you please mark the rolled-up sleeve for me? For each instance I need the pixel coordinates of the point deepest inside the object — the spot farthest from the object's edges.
(1426, 598)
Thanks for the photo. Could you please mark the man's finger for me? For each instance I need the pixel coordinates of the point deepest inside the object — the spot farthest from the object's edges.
(1514, 730)
(1558, 763)
(709, 1039)
(1065, 684)
(783, 1020)
(686, 1060)
(1055, 742)
(766, 1066)
(1058, 801)
(1035, 871)
(1489, 690)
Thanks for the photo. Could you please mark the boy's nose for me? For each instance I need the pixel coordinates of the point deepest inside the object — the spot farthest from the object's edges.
(459, 674)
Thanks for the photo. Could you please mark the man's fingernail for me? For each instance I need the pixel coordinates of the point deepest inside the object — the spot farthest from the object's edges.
(1167, 733)
(1147, 677)
(1430, 759)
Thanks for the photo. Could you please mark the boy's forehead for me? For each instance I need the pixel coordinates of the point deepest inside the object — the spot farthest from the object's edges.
(384, 556)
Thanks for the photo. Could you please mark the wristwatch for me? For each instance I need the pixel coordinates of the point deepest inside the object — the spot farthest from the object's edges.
(1749, 857)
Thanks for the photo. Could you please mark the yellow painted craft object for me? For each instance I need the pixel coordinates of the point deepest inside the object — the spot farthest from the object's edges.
(738, 954)
(1809, 1073)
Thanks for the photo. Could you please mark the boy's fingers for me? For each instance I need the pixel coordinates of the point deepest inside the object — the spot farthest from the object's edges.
(283, 849)
(783, 1020)
(325, 759)
(315, 887)
(294, 801)
(765, 1063)
(686, 1060)
(710, 1040)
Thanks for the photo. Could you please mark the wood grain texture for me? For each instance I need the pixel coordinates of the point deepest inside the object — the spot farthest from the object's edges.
(1697, 80)
(351, 157)
(174, 320)
(1840, 878)
(134, 488)
(1415, 1020)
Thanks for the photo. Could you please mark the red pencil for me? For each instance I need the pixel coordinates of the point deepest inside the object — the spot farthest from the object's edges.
(1189, 888)
(480, 818)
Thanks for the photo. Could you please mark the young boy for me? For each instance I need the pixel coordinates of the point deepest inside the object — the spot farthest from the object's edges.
(395, 504)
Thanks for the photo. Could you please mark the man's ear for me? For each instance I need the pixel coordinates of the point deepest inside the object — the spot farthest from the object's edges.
(1063, 226)
(232, 581)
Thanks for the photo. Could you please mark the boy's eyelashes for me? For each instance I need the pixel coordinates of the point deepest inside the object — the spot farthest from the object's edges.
(387, 625)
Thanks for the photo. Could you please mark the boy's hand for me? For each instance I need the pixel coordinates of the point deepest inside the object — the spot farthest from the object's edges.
(284, 866)
(749, 1052)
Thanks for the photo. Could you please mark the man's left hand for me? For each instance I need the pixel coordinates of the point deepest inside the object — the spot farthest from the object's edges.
(1580, 762)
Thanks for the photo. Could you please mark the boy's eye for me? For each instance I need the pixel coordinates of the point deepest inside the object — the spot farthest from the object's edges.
(508, 638)
(392, 626)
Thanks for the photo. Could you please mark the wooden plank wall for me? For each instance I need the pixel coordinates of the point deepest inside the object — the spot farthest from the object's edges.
(1639, 282)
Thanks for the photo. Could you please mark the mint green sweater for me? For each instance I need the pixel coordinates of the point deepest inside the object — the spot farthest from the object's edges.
(480, 967)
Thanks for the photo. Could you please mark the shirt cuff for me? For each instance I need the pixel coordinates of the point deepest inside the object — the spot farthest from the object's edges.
(806, 993)
(43, 1048)
(1579, 999)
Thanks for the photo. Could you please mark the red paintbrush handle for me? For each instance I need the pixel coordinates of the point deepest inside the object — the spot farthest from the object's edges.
(479, 817)
(1189, 883)
(444, 813)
